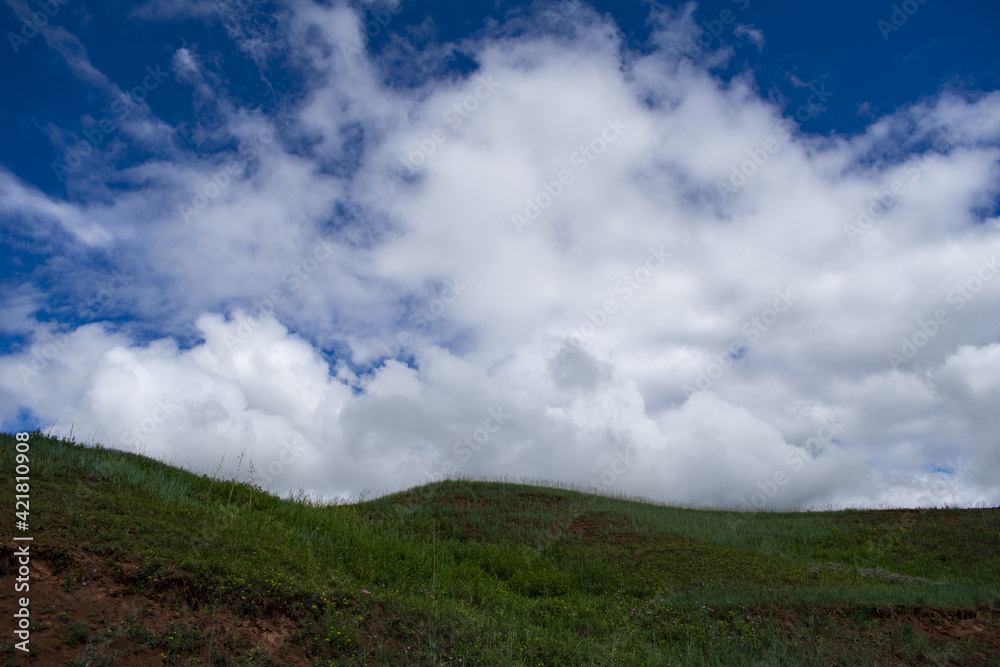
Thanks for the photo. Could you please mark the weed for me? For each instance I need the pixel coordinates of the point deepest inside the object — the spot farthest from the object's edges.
(77, 633)
(497, 572)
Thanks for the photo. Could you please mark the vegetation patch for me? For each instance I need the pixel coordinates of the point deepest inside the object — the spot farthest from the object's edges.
(188, 569)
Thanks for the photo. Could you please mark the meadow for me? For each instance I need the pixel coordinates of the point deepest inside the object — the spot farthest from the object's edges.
(136, 562)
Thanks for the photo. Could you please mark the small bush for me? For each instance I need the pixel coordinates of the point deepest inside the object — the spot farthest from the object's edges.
(77, 634)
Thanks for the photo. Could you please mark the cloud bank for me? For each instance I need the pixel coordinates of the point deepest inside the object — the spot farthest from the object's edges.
(575, 262)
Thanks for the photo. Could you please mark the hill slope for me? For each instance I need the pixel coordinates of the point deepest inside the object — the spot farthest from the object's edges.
(135, 562)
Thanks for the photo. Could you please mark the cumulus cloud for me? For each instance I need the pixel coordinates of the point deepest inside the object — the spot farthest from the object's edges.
(577, 263)
(751, 34)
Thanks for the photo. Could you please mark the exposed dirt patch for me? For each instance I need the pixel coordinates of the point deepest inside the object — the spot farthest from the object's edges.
(85, 612)
(896, 514)
(981, 624)
(945, 516)
(586, 526)
(469, 501)
(541, 498)
(408, 500)
(917, 635)
(463, 502)
(386, 630)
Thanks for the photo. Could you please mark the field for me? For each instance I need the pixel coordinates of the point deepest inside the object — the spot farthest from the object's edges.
(135, 562)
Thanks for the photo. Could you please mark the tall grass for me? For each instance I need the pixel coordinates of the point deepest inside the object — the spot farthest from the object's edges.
(503, 572)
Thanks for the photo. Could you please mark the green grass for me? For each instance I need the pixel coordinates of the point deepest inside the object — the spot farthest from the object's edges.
(503, 573)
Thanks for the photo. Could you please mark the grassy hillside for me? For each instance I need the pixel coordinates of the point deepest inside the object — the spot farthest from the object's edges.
(140, 563)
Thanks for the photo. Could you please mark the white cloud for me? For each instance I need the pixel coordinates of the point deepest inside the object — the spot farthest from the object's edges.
(751, 34)
(976, 370)
(558, 349)
(25, 202)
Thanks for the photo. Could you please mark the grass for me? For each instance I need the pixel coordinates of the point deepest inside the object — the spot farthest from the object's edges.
(501, 573)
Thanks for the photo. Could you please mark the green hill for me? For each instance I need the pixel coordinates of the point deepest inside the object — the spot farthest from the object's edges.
(134, 562)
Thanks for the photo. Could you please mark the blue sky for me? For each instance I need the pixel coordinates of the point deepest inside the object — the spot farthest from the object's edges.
(730, 242)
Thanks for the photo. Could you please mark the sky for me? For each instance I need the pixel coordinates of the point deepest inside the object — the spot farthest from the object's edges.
(726, 254)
